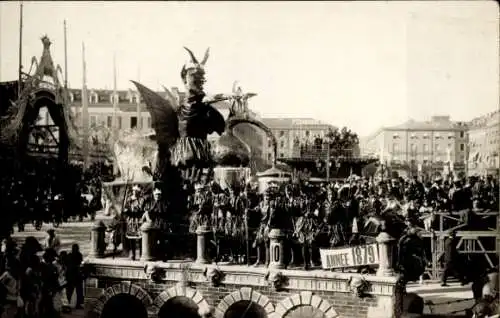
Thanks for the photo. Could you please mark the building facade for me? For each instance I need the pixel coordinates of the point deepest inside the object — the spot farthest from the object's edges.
(484, 144)
(420, 146)
(132, 113)
(289, 131)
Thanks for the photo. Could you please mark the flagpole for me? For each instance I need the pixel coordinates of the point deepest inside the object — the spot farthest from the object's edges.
(20, 49)
(139, 119)
(85, 111)
(114, 96)
(65, 57)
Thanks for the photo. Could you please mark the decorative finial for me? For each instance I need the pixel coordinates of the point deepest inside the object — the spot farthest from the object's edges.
(46, 41)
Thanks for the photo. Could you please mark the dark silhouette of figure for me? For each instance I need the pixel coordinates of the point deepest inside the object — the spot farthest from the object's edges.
(451, 260)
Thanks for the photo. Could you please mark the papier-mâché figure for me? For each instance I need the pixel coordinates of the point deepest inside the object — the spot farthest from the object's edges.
(182, 128)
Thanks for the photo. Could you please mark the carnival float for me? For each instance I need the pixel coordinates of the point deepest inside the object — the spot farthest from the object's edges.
(178, 158)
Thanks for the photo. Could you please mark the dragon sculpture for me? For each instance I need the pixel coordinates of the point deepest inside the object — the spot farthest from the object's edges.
(182, 128)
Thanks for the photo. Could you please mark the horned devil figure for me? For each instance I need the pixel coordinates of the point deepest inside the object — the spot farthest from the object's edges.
(182, 127)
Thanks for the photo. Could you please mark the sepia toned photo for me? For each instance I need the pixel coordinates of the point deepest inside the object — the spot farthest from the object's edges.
(249, 159)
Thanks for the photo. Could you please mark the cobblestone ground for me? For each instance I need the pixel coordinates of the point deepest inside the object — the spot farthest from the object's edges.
(444, 299)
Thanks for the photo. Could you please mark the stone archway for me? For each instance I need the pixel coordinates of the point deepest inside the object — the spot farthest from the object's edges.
(245, 299)
(179, 299)
(305, 301)
(113, 299)
(124, 305)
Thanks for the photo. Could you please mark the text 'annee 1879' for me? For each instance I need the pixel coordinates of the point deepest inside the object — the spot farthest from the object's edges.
(356, 256)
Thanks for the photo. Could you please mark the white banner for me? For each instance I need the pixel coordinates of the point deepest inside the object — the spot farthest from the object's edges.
(356, 256)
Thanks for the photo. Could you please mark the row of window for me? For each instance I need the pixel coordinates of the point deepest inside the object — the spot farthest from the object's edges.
(426, 161)
(426, 136)
(146, 122)
(425, 147)
(307, 134)
(94, 98)
(270, 156)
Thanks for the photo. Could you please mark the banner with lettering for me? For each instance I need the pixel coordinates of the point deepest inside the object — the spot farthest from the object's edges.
(355, 256)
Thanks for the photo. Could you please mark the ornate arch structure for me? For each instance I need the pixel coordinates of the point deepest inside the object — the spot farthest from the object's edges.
(180, 291)
(234, 121)
(245, 293)
(40, 88)
(304, 298)
(116, 290)
(45, 98)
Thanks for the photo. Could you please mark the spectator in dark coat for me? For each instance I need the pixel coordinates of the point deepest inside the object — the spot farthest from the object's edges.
(451, 259)
(74, 275)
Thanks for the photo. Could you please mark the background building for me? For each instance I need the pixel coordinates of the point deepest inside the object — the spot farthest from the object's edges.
(289, 131)
(420, 146)
(132, 113)
(484, 144)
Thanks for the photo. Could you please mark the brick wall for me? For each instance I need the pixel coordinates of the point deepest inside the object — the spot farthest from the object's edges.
(328, 292)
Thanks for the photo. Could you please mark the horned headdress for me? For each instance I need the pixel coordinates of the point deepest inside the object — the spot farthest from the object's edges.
(193, 64)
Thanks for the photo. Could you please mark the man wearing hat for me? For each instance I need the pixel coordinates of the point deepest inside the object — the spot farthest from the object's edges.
(436, 193)
(261, 243)
(306, 232)
(133, 211)
(155, 213)
(451, 259)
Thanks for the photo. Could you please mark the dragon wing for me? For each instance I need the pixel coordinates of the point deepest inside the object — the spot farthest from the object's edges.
(216, 120)
(171, 98)
(163, 115)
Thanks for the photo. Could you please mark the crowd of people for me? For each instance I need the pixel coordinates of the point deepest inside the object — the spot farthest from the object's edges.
(327, 215)
(39, 280)
(36, 193)
(312, 215)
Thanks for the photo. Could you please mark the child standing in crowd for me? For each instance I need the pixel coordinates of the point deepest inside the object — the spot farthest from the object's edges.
(60, 299)
(52, 241)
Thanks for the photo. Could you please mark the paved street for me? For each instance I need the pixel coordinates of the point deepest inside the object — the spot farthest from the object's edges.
(69, 233)
(444, 299)
(79, 232)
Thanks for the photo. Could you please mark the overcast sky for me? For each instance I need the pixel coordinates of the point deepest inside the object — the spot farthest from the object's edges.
(360, 64)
